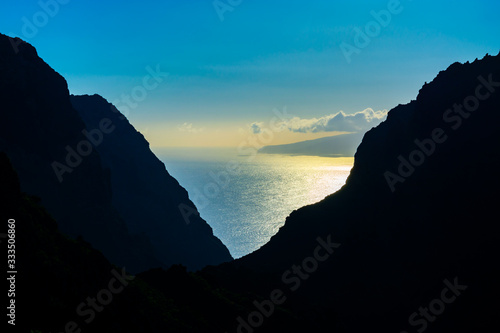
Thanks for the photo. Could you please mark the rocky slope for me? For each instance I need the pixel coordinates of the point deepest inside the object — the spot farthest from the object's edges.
(418, 209)
(409, 244)
(151, 202)
(64, 285)
(52, 151)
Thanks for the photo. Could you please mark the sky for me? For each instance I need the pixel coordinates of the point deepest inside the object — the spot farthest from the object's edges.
(233, 72)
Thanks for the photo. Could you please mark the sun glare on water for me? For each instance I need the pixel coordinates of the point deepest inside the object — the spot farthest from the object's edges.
(247, 209)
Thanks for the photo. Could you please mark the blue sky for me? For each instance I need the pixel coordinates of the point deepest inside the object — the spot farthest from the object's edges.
(224, 75)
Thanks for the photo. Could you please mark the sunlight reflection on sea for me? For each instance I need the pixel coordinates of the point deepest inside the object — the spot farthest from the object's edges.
(245, 210)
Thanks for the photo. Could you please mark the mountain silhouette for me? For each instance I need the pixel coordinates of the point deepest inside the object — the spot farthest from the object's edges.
(61, 285)
(82, 183)
(151, 202)
(417, 214)
(409, 244)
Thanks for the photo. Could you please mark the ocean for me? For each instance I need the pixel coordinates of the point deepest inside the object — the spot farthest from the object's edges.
(246, 199)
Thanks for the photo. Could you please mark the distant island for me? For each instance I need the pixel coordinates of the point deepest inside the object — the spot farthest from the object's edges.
(343, 145)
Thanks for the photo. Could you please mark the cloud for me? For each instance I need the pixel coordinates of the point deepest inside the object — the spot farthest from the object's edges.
(189, 128)
(256, 127)
(338, 122)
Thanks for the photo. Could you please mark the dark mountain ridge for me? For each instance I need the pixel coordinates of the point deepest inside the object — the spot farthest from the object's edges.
(62, 283)
(49, 146)
(400, 239)
(151, 202)
(409, 244)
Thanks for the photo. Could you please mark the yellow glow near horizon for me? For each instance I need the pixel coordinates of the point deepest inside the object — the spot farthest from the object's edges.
(221, 135)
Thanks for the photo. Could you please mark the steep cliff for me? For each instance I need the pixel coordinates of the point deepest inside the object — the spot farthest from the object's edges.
(57, 160)
(418, 209)
(64, 285)
(151, 201)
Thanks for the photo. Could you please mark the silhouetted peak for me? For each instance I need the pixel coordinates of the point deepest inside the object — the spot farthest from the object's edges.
(98, 106)
(401, 239)
(95, 97)
(10, 46)
(44, 133)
